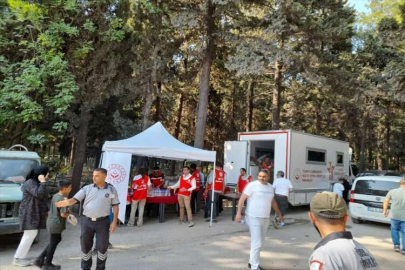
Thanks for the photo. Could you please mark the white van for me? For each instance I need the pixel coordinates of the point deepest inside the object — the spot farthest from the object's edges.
(312, 163)
(367, 197)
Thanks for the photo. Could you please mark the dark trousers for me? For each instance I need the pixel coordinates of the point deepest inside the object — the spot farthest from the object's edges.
(282, 203)
(208, 204)
(49, 251)
(194, 201)
(101, 229)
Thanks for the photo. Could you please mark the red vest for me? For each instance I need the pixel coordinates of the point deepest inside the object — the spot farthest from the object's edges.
(140, 187)
(243, 183)
(219, 180)
(197, 176)
(157, 179)
(186, 184)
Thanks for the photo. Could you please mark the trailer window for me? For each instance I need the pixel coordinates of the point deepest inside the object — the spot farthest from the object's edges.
(316, 156)
(339, 158)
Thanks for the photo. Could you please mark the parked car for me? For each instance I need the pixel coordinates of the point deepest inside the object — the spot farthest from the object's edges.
(367, 196)
(378, 173)
(14, 168)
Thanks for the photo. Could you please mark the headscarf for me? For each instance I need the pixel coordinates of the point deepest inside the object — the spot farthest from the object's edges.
(37, 171)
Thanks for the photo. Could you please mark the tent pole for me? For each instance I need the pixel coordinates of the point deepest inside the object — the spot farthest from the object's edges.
(212, 194)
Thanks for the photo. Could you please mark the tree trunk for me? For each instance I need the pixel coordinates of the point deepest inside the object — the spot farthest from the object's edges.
(205, 76)
(157, 105)
(363, 141)
(147, 107)
(17, 134)
(179, 112)
(250, 98)
(278, 65)
(72, 152)
(276, 95)
(81, 145)
(387, 139)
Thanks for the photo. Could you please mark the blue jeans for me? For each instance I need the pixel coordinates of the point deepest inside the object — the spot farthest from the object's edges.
(396, 227)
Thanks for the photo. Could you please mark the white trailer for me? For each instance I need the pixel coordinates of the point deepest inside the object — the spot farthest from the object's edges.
(312, 163)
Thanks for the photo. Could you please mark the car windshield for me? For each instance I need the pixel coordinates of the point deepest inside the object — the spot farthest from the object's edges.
(15, 170)
(373, 187)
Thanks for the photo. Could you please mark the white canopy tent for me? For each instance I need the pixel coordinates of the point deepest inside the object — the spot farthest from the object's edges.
(157, 142)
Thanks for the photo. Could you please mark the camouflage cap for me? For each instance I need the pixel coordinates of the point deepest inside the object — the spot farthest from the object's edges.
(328, 205)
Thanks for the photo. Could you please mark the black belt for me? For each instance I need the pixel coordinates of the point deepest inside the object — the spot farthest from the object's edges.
(278, 195)
(96, 219)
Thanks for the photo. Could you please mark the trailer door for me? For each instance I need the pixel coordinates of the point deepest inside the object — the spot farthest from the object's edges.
(235, 157)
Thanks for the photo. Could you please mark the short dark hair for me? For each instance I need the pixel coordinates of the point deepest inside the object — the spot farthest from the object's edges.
(64, 184)
(281, 173)
(330, 221)
(102, 170)
(243, 169)
(265, 171)
(193, 166)
(187, 167)
(156, 168)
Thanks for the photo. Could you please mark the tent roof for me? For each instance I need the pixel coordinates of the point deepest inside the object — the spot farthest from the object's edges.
(157, 142)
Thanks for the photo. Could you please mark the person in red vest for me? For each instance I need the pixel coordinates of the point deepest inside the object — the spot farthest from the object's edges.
(140, 186)
(157, 178)
(186, 185)
(267, 164)
(243, 180)
(217, 186)
(196, 195)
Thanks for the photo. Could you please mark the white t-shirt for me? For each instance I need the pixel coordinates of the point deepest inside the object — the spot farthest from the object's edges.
(282, 186)
(338, 188)
(259, 201)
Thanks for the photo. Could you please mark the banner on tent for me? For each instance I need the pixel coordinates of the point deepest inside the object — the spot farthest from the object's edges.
(118, 166)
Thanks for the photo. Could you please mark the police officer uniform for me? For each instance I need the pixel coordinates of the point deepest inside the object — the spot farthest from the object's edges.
(96, 210)
(338, 251)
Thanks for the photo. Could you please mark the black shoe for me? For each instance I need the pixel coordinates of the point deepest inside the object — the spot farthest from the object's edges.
(258, 268)
(51, 267)
(38, 262)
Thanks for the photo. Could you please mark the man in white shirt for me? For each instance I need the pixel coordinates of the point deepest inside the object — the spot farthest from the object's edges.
(260, 195)
(338, 188)
(282, 187)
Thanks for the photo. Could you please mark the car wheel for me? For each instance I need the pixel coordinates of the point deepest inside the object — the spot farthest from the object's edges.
(357, 221)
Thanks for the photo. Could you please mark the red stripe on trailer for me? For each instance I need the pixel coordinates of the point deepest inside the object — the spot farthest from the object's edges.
(271, 132)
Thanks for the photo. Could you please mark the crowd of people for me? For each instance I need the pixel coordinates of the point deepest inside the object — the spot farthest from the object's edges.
(328, 214)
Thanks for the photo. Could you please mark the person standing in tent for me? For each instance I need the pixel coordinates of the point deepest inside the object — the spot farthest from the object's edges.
(243, 180)
(140, 186)
(218, 188)
(194, 196)
(260, 196)
(157, 178)
(186, 185)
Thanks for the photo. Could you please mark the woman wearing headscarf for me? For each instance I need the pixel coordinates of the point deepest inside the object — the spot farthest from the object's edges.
(33, 212)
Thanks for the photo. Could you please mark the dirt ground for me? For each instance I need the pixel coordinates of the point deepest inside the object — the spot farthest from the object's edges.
(224, 246)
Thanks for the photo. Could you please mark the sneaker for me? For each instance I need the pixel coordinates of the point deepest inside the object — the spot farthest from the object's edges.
(281, 224)
(403, 253)
(21, 262)
(190, 224)
(130, 225)
(38, 262)
(275, 223)
(139, 225)
(396, 248)
(51, 267)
